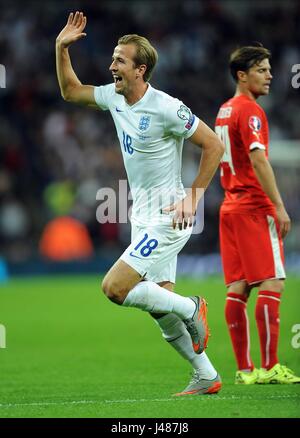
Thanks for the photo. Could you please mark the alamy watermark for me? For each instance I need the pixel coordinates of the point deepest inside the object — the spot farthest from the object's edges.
(151, 205)
(296, 77)
(296, 338)
(2, 76)
(2, 336)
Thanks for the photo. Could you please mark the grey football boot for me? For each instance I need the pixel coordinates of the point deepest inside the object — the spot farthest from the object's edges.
(198, 385)
(197, 325)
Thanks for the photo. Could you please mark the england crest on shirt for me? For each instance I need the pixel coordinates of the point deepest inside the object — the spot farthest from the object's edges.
(254, 123)
(144, 123)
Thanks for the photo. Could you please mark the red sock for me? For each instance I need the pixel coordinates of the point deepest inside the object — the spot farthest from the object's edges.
(238, 325)
(267, 320)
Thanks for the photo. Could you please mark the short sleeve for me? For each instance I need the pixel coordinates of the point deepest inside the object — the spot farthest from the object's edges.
(179, 119)
(252, 125)
(103, 95)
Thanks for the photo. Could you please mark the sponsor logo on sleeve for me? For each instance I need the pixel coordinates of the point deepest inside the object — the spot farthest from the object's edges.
(185, 113)
(255, 123)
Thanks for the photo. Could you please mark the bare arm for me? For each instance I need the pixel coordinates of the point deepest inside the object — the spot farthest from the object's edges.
(265, 175)
(212, 152)
(71, 88)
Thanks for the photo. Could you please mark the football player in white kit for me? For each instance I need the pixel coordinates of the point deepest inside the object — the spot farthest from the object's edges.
(151, 127)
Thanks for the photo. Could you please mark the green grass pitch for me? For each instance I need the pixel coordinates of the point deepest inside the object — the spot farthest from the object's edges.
(72, 353)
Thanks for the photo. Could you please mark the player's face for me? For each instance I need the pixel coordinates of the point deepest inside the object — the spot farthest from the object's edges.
(258, 78)
(123, 68)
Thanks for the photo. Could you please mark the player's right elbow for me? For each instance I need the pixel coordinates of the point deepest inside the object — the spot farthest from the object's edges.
(69, 93)
(67, 96)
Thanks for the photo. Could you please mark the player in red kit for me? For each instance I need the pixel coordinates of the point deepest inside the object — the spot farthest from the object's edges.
(253, 220)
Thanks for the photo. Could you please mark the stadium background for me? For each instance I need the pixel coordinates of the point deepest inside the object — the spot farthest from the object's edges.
(54, 156)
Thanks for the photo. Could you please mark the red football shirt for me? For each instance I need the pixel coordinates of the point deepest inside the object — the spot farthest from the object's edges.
(242, 126)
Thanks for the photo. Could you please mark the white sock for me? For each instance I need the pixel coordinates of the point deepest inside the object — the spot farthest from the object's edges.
(150, 297)
(176, 334)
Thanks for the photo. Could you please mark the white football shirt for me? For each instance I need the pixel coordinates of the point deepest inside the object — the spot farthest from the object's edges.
(151, 134)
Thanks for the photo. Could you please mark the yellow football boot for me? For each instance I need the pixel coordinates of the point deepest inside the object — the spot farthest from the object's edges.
(279, 374)
(244, 378)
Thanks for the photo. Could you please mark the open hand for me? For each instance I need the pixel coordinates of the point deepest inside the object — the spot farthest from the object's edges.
(73, 30)
(184, 213)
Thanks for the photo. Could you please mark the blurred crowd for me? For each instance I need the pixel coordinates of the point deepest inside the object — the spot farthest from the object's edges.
(54, 156)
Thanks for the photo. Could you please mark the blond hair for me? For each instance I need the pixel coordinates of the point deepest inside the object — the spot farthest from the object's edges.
(145, 52)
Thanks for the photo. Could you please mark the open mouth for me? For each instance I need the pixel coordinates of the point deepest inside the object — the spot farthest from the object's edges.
(117, 79)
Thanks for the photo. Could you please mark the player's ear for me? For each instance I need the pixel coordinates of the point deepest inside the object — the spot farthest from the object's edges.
(241, 75)
(141, 70)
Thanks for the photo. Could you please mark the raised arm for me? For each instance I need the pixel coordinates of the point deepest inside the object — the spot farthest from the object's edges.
(71, 88)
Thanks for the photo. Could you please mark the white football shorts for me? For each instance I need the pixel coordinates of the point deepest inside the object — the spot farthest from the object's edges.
(153, 250)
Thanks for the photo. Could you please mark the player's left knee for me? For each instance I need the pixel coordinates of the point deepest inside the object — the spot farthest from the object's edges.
(280, 286)
(113, 290)
(273, 285)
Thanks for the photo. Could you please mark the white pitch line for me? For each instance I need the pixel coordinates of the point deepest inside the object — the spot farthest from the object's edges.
(142, 400)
